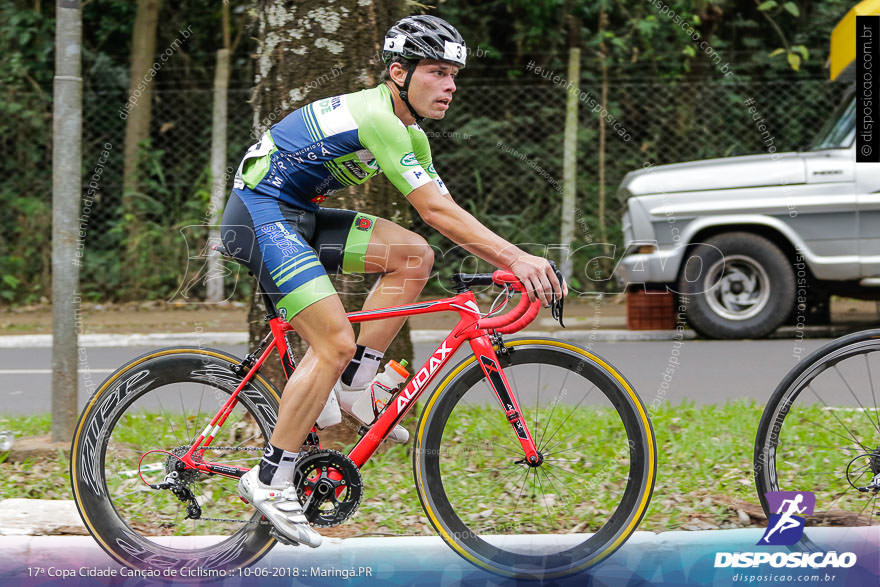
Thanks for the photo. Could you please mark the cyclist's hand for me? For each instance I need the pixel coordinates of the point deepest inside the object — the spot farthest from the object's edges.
(538, 277)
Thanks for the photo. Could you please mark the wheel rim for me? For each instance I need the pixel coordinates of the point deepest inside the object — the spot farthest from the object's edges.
(825, 437)
(584, 501)
(156, 514)
(738, 287)
(150, 523)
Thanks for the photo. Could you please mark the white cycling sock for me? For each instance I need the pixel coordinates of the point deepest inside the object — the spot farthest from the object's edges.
(277, 466)
(362, 368)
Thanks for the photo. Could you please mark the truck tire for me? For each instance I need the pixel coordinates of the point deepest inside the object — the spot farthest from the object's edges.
(736, 285)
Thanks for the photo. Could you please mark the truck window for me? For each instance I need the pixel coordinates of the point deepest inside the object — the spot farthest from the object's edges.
(840, 129)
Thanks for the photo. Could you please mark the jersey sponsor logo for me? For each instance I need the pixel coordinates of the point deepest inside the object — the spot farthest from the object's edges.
(329, 104)
(310, 153)
(282, 237)
(416, 177)
(363, 223)
(431, 169)
(355, 169)
(409, 160)
(319, 199)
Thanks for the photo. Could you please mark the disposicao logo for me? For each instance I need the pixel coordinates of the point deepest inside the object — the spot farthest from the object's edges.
(784, 528)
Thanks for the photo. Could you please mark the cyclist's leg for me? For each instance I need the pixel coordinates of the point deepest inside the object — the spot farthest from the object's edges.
(405, 259)
(271, 238)
(360, 243)
(328, 332)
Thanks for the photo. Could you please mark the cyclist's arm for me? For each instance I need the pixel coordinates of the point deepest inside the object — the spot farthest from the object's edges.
(455, 223)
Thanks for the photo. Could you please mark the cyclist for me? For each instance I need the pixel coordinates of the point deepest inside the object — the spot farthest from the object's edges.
(274, 225)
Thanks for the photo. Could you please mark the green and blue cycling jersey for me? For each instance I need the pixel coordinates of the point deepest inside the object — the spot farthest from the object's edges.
(337, 142)
(273, 222)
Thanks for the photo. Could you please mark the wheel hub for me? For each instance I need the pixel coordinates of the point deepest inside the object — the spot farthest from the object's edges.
(738, 287)
(173, 463)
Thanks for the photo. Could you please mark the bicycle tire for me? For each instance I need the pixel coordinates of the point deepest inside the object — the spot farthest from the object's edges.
(132, 522)
(449, 503)
(790, 453)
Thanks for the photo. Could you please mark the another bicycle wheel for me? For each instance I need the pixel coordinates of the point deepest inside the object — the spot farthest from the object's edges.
(161, 402)
(562, 516)
(820, 432)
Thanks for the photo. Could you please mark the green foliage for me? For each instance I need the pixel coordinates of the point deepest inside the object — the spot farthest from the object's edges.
(660, 83)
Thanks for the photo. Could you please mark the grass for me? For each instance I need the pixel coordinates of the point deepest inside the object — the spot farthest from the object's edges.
(704, 472)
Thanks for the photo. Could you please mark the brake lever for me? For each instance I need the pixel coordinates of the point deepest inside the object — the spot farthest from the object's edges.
(557, 305)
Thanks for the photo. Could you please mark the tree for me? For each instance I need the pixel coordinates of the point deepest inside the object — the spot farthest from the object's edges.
(301, 44)
(138, 108)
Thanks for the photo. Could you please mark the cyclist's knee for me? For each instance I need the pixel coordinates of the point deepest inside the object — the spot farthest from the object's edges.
(415, 257)
(336, 349)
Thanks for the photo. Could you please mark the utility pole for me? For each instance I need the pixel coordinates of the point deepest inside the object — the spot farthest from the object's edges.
(66, 188)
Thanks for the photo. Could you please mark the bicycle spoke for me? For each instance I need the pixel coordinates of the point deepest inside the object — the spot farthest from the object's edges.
(553, 480)
(858, 401)
(572, 411)
(831, 448)
(566, 450)
(185, 421)
(543, 493)
(518, 497)
(553, 409)
(871, 387)
(166, 417)
(852, 435)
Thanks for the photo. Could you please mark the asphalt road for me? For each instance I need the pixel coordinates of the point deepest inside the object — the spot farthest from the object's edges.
(706, 372)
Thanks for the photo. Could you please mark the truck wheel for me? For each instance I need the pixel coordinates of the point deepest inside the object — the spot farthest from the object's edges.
(737, 285)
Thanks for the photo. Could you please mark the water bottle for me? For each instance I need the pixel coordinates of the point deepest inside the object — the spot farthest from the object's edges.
(379, 391)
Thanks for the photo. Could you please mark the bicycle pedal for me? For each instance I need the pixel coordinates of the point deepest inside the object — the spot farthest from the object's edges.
(282, 538)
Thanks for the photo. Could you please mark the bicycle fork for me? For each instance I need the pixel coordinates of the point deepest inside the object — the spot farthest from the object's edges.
(488, 359)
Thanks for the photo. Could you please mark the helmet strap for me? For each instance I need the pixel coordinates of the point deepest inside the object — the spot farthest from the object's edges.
(404, 94)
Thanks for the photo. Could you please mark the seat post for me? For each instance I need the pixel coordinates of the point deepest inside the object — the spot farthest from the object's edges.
(271, 312)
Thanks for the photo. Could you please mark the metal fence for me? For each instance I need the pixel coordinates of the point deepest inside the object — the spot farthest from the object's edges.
(499, 150)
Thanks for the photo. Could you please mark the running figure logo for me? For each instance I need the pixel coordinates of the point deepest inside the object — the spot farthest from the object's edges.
(786, 527)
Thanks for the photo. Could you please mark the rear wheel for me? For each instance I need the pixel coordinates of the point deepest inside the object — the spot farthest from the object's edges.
(161, 402)
(820, 432)
(571, 511)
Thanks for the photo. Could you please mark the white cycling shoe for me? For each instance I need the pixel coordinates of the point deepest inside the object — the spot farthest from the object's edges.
(348, 395)
(280, 506)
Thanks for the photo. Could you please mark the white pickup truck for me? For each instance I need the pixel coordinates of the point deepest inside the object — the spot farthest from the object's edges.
(750, 243)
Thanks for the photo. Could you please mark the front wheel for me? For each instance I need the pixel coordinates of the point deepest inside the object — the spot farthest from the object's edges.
(161, 402)
(566, 514)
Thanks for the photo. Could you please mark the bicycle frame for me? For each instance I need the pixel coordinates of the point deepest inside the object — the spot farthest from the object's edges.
(468, 329)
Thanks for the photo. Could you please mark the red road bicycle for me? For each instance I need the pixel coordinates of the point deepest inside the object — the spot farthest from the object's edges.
(532, 457)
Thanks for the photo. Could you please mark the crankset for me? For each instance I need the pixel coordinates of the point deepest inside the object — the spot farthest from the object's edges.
(329, 487)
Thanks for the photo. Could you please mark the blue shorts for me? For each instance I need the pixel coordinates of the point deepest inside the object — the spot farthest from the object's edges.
(291, 250)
